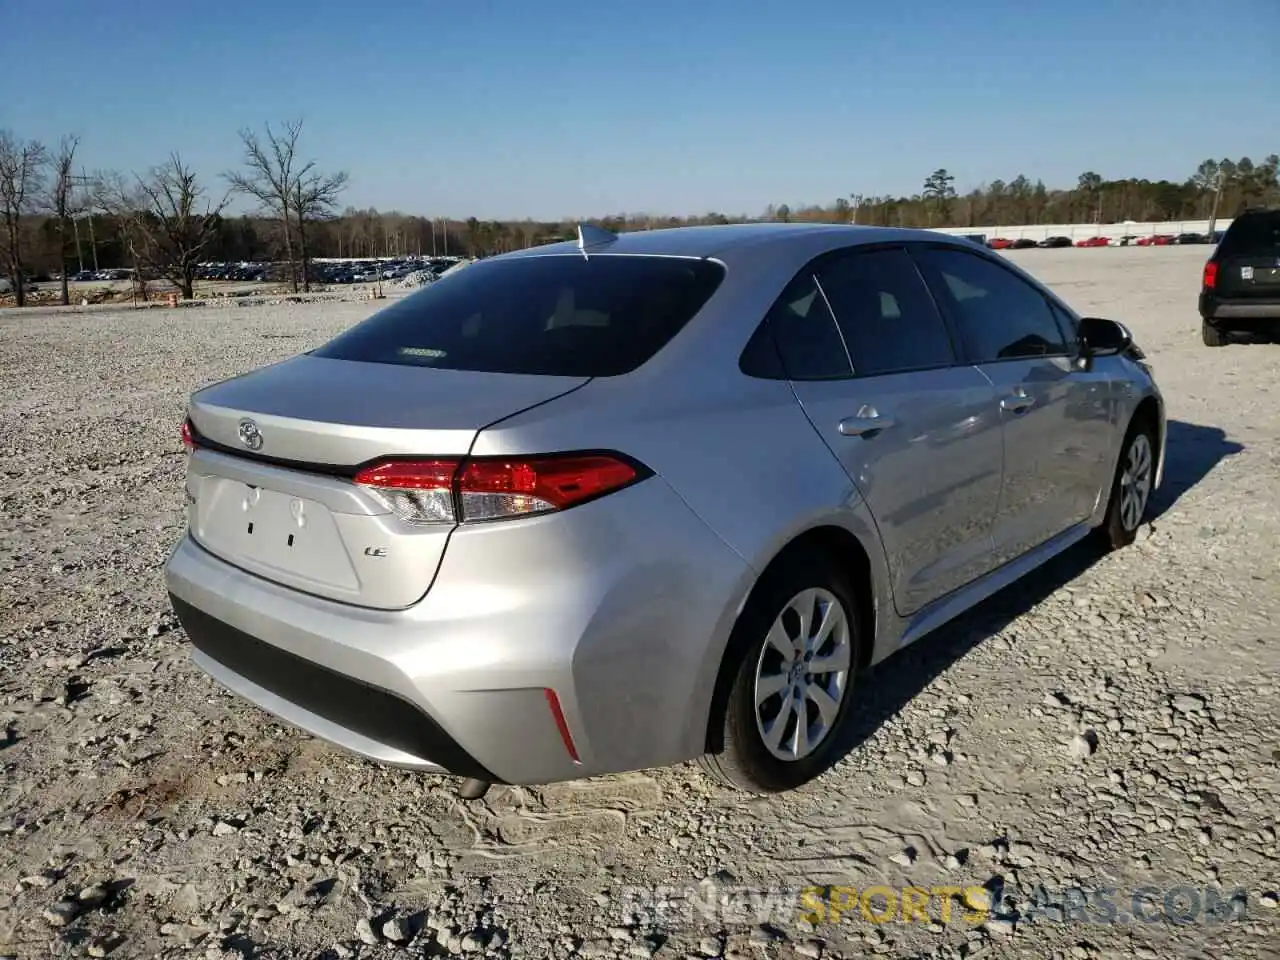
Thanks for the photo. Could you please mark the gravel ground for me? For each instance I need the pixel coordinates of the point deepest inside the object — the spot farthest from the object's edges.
(1110, 723)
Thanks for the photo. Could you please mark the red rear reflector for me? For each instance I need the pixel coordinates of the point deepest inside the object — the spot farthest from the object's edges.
(188, 436)
(554, 703)
(1210, 275)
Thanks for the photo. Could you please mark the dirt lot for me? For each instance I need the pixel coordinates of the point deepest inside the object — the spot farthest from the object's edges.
(144, 813)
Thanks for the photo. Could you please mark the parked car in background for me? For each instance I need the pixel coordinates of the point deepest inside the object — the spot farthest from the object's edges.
(1023, 243)
(1054, 242)
(614, 504)
(1156, 240)
(1000, 243)
(7, 285)
(1191, 238)
(1094, 242)
(1240, 283)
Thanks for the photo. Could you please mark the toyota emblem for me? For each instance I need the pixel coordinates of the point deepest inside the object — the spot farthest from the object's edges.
(250, 435)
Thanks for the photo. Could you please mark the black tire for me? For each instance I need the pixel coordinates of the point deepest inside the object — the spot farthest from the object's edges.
(743, 761)
(1213, 336)
(1114, 532)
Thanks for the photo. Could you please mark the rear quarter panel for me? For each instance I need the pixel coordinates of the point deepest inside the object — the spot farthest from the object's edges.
(739, 452)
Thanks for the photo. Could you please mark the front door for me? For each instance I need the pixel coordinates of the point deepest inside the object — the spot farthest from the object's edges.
(1056, 417)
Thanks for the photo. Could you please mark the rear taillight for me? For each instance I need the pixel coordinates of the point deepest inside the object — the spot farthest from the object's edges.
(1210, 275)
(419, 491)
(493, 488)
(188, 436)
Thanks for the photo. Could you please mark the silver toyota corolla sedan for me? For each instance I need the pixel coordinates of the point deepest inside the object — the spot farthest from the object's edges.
(639, 499)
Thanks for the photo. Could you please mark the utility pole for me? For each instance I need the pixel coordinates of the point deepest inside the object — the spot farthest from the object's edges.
(1213, 215)
(75, 230)
(85, 181)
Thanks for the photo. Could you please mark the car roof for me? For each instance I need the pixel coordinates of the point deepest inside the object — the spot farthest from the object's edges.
(719, 240)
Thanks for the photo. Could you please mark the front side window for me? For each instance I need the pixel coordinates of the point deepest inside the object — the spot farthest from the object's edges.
(554, 315)
(885, 313)
(1000, 315)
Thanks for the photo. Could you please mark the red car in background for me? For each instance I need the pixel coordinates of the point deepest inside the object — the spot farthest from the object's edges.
(1094, 242)
(1000, 243)
(1159, 240)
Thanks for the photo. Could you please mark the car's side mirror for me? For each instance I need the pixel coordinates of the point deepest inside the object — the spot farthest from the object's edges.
(1103, 338)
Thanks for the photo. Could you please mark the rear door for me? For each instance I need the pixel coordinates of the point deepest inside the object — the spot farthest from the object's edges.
(1058, 430)
(874, 367)
(1249, 258)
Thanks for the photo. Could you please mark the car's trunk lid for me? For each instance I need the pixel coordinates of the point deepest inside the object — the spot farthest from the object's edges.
(270, 484)
(340, 413)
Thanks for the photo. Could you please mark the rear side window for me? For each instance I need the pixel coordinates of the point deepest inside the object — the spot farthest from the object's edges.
(1252, 234)
(1000, 315)
(807, 339)
(885, 313)
(554, 316)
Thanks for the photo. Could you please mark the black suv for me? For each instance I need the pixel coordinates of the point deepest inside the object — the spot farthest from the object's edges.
(1240, 288)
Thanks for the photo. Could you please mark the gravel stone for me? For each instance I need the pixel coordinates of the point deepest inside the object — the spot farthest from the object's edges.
(365, 931)
(711, 946)
(904, 858)
(61, 913)
(397, 930)
(1000, 926)
(1083, 745)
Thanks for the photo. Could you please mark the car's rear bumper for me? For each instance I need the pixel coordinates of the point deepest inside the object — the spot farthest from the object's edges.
(371, 721)
(620, 607)
(1216, 311)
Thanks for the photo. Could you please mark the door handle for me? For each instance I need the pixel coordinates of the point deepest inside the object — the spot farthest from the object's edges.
(1018, 403)
(867, 423)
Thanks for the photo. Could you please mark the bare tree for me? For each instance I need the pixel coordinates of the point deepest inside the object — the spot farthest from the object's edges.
(61, 202)
(22, 167)
(315, 198)
(286, 187)
(168, 220)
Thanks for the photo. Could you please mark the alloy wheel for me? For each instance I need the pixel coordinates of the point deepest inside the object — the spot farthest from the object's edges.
(802, 674)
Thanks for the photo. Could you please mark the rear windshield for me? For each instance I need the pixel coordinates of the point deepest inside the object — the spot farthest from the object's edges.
(555, 315)
(1253, 233)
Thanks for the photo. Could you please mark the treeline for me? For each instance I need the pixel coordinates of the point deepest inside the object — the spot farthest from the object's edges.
(55, 218)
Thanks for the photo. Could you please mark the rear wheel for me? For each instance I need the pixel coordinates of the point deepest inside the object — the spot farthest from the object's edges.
(1131, 489)
(1213, 336)
(795, 649)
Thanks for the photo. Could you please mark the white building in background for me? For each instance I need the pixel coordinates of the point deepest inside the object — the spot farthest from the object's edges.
(1081, 231)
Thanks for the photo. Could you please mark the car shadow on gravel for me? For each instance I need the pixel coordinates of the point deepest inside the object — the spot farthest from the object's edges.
(1193, 450)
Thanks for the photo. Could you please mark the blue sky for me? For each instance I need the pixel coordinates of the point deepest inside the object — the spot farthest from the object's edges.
(550, 108)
